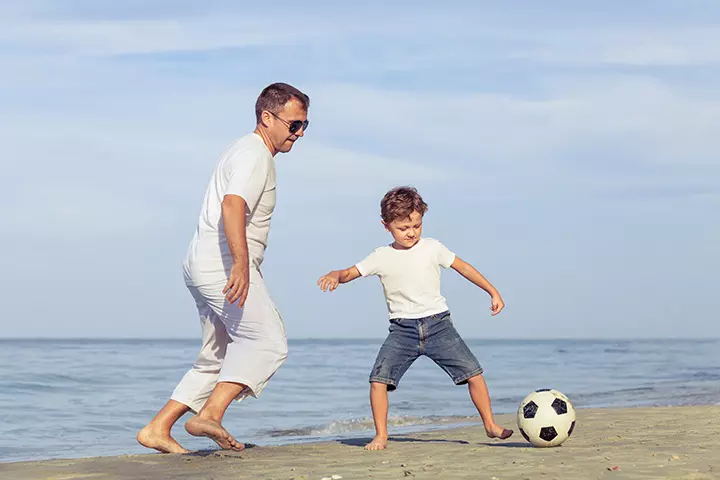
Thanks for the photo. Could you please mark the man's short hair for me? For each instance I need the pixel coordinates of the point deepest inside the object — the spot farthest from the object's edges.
(400, 202)
(274, 97)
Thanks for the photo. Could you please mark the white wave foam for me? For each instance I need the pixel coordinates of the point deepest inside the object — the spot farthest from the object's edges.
(340, 427)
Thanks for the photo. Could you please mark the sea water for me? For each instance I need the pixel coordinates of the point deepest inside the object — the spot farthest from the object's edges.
(78, 398)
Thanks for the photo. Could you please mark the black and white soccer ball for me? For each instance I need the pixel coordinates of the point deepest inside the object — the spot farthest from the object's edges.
(546, 418)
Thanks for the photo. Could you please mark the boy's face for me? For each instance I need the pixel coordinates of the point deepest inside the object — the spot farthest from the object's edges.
(406, 232)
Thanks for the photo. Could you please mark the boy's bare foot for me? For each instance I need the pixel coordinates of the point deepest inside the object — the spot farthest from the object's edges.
(377, 443)
(152, 437)
(203, 427)
(497, 431)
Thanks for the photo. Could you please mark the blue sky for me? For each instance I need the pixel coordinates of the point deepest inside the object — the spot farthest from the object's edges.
(570, 153)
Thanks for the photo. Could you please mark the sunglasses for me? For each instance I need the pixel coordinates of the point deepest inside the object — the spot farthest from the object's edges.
(295, 125)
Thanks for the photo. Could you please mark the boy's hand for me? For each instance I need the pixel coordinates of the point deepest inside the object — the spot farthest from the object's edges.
(329, 281)
(497, 304)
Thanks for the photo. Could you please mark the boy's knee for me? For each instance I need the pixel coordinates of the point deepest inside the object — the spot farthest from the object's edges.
(378, 386)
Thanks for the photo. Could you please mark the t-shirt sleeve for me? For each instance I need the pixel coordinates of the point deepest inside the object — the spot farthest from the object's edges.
(247, 176)
(445, 257)
(370, 265)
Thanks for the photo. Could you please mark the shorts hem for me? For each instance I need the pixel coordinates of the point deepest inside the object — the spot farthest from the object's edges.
(391, 384)
(248, 390)
(463, 379)
(193, 406)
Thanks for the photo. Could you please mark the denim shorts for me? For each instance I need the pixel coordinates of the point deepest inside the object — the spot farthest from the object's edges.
(434, 337)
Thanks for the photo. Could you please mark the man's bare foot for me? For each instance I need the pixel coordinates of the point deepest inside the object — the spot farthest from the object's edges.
(496, 431)
(153, 437)
(377, 443)
(203, 427)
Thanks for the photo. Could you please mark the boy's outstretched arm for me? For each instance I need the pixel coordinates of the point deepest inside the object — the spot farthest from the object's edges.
(332, 279)
(469, 272)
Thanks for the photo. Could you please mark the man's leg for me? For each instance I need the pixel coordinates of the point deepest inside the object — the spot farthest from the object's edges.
(379, 404)
(257, 348)
(194, 388)
(156, 434)
(208, 423)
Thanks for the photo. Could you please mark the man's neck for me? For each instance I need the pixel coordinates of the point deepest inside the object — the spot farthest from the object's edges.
(266, 139)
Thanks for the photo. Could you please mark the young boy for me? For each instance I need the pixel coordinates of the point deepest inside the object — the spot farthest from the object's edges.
(409, 270)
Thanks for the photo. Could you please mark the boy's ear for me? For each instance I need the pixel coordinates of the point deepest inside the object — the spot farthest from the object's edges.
(385, 225)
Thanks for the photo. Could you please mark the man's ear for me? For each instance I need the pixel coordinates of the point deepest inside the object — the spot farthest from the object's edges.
(264, 118)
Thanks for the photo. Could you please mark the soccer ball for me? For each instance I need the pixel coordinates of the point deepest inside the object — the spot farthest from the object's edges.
(546, 418)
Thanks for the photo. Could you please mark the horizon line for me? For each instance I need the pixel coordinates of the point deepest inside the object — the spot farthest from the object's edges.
(366, 338)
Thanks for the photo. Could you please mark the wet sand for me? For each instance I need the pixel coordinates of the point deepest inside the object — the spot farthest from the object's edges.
(652, 443)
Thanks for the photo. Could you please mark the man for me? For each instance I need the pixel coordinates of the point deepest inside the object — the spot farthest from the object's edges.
(243, 334)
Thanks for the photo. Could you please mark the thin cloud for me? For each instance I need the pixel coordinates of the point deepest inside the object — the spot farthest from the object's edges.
(661, 123)
(399, 40)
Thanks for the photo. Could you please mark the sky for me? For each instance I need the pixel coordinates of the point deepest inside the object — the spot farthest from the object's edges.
(570, 152)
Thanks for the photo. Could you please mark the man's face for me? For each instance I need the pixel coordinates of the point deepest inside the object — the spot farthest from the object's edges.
(406, 232)
(279, 123)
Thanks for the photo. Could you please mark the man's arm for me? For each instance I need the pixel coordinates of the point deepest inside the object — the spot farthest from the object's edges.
(233, 218)
(470, 273)
(332, 279)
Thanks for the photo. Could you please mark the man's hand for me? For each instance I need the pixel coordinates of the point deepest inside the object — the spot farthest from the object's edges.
(233, 217)
(238, 284)
(329, 281)
(497, 304)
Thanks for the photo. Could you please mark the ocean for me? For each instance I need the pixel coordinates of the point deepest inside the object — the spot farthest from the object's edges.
(79, 398)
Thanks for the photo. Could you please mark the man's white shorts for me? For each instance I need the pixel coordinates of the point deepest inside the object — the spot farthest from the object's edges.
(242, 345)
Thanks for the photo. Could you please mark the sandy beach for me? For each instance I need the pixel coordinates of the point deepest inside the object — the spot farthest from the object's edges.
(658, 442)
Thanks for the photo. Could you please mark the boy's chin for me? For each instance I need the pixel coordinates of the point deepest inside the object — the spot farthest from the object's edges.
(408, 244)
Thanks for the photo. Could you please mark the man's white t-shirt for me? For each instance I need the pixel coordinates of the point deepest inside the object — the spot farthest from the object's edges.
(247, 169)
(410, 278)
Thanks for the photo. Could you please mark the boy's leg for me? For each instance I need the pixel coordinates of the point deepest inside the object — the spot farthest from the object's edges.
(447, 349)
(481, 398)
(379, 404)
(400, 349)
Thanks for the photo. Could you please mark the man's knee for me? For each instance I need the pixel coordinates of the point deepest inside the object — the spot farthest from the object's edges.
(283, 352)
(207, 369)
(207, 364)
(282, 348)
(278, 352)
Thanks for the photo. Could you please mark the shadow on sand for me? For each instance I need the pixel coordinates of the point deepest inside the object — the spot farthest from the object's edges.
(211, 452)
(361, 442)
(507, 444)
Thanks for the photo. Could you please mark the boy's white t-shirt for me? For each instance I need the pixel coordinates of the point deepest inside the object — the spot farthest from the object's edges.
(247, 169)
(410, 278)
